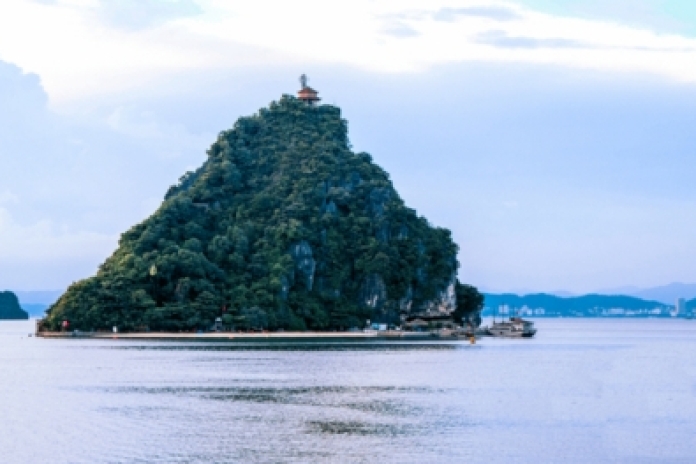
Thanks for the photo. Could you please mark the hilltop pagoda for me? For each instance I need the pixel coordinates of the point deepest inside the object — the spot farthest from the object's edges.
(306, 93)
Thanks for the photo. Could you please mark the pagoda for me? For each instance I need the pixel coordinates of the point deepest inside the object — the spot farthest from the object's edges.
(306, 93)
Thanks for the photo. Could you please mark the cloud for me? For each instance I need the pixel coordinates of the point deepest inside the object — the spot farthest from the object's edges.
(71, 183)
(45, 255)
(115, 48)
(140, 14)
(45, 241)
(503, 40)
(496, 13)
(399, 29)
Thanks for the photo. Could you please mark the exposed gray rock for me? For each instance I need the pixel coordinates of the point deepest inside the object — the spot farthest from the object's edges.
(406, 301)
(446, 300)
(421, 275)
(373, 292)
(183, 287)
(403, 233)
(354, 180)
(301, 253)
(378, 200)
(330, 208)
(383, 233)
(284, 287)
(203, 206)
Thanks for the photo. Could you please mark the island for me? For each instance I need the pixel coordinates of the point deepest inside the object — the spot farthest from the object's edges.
(283, 228)
(10, 308)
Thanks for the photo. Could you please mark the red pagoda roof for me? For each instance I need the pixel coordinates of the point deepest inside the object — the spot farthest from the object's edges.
(308, 93)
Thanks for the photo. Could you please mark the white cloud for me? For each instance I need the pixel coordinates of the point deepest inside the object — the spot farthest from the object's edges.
(79, 54)
(45, 242)
(173, 140)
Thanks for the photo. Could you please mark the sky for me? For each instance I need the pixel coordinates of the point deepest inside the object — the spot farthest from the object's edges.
(554, 138)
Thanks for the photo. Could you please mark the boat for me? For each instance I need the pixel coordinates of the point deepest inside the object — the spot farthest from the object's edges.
(516, 327)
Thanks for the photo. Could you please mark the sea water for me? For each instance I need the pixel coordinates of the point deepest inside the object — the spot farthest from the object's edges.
(581, 391)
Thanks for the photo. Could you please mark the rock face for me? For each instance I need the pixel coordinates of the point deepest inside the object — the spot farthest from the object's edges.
(282, 227)
(305, 265)
(10, 308)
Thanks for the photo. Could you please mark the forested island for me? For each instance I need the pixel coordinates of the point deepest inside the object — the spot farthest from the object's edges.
(10, 308)
(282, 227)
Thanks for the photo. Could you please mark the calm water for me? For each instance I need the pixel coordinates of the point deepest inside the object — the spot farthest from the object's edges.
(584, 391)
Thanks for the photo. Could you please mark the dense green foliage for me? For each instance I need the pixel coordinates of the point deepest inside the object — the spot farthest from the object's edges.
(282, 227)
(10, 308)
(469, 304)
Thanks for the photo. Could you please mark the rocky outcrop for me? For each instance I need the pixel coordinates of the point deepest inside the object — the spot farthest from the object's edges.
(445, 301)
(373, 292)
(378, 200)
(305, 265)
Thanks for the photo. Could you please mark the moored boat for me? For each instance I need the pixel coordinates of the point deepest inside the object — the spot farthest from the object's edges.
(516, 327)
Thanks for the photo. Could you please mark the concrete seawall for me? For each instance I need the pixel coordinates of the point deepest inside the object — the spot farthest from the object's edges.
(372, 335)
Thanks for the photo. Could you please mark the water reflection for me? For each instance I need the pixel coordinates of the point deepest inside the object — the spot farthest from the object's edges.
(579, 393)
(284, 346)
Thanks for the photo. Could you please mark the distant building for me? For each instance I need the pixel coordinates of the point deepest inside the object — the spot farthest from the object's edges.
(680, 307)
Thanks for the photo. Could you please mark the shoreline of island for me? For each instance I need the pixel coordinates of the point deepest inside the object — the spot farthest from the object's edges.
(244, 336)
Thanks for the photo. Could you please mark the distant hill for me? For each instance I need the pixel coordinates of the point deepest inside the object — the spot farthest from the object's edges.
(668, 293)
(9, 307)
(542, 304)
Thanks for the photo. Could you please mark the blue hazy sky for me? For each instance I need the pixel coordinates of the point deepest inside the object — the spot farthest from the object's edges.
(554, 138)
(664, 16)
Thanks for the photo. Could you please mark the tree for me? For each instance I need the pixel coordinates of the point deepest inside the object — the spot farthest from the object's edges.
(469, 304)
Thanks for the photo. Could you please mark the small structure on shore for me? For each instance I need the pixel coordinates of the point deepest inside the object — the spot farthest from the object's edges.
(306, 93)
(423, 322)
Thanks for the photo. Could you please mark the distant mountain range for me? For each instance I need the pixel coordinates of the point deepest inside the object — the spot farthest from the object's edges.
(667, 294)
(543, 304)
